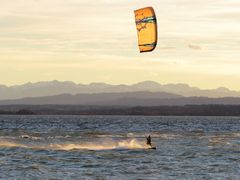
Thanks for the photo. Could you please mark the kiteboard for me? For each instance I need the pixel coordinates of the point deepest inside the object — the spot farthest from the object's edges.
(152, 147)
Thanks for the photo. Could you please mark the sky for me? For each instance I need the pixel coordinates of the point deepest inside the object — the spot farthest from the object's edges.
(96, 41)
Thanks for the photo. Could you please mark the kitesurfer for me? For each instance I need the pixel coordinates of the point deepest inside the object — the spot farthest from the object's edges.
(149, 140)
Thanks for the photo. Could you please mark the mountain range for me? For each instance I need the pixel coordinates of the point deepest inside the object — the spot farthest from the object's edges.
(146, 93)
(52, 88)
(122, 99)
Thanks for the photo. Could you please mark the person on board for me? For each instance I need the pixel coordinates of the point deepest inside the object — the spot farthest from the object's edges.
(149, 140)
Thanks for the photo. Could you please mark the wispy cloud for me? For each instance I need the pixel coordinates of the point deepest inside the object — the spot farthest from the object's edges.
(195, 47)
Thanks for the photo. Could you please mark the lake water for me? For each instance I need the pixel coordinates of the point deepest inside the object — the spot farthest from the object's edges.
(113, 147)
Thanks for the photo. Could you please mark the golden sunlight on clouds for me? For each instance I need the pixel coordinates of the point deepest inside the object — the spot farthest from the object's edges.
(88, 41)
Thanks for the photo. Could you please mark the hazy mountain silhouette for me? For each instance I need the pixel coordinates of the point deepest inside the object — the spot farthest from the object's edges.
(67, 87)
(122, 99)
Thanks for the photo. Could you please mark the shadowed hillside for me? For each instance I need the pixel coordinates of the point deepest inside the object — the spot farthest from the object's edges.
(67, 87)
(188, 110)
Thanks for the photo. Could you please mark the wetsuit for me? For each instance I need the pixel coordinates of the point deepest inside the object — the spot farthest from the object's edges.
(149, 141)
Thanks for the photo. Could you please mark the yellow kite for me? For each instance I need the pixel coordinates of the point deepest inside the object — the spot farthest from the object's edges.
(146, 23)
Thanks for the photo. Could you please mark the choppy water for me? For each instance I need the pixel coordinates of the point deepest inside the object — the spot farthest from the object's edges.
(113, 147)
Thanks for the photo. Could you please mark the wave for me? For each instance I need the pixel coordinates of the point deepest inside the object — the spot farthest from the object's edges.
(106, 145)
(25, 136)
(9, 144)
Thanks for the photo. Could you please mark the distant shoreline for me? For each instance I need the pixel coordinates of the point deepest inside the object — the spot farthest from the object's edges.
(187, 110)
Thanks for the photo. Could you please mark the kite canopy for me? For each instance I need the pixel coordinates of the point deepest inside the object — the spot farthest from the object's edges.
(146, 23)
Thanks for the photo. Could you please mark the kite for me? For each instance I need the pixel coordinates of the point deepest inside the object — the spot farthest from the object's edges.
(146, 24)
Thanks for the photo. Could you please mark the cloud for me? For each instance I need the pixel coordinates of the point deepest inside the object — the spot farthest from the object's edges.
(227, 16)
(195, 47)
(167, 47)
